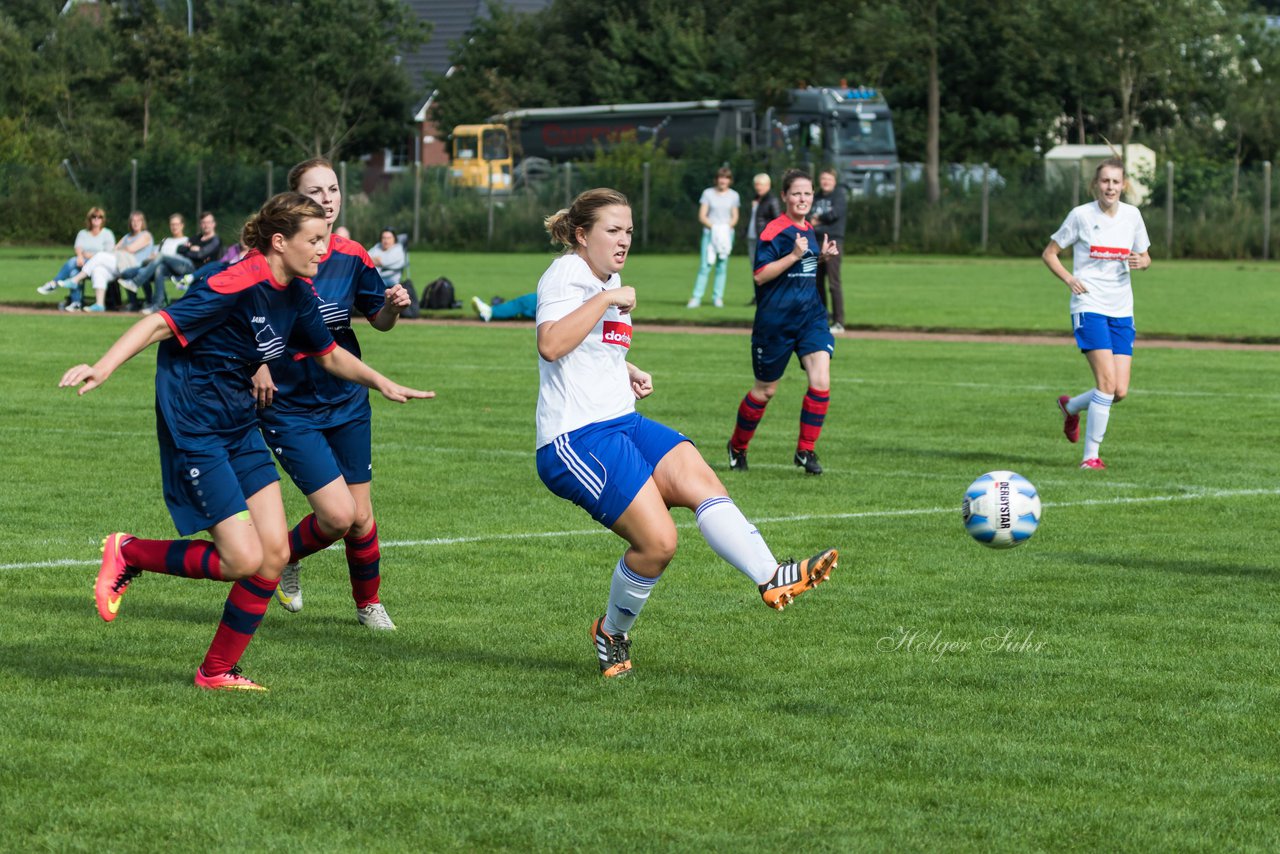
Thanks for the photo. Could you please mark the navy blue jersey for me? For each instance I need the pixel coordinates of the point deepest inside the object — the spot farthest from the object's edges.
(223, 329)
(347, 280)
(791, 300)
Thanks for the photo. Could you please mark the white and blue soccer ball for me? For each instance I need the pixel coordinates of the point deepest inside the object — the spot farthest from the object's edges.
(1001, 509)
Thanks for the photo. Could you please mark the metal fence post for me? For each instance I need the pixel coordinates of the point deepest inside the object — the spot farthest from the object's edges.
(568, 184)
(1266, 209)
(897, 203)
(1168, 211)
(133, 185)
(417, 199)
(199, 188)
(271, 168)
(986, 204)
(1075, 185)
(644, 209)
(342, 175)
(489, 239)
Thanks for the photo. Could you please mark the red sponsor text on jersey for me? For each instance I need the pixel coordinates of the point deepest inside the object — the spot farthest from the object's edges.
(1108, 253)
(617, 333)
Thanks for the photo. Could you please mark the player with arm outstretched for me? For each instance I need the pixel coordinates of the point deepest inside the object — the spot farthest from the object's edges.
(218, 475)
(1109, 241)
(319, 426)
(595, 450)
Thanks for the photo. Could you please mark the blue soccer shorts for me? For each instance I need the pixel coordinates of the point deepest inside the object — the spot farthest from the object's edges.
(1100, 332)
(314, 457)
(205, 487)
(771, 349)
(602, 467)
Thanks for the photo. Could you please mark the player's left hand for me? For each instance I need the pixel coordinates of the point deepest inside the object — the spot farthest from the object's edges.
(829, 247)
(397, 393)
(86, 374)
(641, 384)
(398, 298)
(1139, 262)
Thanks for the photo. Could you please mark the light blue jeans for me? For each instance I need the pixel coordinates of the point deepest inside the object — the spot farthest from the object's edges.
(704, 268)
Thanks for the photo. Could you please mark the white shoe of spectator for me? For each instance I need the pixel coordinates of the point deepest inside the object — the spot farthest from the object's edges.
(482, 309)
(48, 287)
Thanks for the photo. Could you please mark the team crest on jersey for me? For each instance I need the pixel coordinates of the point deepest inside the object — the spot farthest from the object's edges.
(617, 333)
(1108, 253)
(270, 345)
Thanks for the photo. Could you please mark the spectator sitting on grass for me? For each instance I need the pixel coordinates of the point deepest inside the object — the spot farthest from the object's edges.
(95, 237)
(388, 255)
(521, 308)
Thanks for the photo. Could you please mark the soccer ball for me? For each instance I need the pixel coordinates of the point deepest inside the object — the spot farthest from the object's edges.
(1001, 509)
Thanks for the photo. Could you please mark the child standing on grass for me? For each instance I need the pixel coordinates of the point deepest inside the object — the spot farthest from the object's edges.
(218, 475)
(595, 450)
(1110, 241)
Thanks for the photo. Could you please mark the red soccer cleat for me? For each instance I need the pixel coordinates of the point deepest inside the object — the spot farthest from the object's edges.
(113, 577)
(1094, 463)
(232, 680)
(1070, 423)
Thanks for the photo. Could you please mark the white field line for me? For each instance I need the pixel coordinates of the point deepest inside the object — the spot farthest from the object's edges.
(803, 517)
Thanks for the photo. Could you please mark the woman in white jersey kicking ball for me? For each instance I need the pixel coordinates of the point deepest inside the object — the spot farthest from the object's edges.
(595, 450)
(1110, 240)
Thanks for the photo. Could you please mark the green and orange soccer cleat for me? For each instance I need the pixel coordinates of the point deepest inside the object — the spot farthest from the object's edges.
(232, 680)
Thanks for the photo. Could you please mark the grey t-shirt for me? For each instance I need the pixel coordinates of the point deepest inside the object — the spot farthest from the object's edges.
(720, 206)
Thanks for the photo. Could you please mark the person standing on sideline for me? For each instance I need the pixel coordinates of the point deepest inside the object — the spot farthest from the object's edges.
(789, 319)
(828, 221)
(318, 425)
(718, 213)
(595, 450)
(218, 475)
(1110, 241)
(765, 208)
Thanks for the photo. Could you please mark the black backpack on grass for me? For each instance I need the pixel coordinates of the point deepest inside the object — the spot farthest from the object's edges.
(439, 294)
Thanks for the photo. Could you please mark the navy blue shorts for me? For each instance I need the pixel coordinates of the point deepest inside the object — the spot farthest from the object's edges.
(771, 349)
(314, 457)
(602, 467)
(202, 488)
(1100, 332)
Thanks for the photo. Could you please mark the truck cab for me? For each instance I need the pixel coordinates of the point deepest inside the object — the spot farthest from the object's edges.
(850, 128)
(482, 157)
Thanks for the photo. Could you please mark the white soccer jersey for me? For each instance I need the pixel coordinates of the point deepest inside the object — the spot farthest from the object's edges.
(590, 383)
(1102, 246)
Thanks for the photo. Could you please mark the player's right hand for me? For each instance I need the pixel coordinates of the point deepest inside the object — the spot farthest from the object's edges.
(1077, 286)
(801, 247)
(397, 393)
(86, 374)
(624, 298)
(264, 388)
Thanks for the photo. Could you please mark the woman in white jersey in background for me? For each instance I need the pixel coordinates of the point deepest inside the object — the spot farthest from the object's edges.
(595, 450)
(1110, 240)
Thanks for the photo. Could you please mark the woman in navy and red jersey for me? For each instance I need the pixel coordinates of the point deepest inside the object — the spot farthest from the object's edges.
(218, 476)
(319, 425)
(790, 318)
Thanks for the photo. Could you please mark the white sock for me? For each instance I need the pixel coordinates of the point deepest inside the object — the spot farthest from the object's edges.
(1096, 422)
(1077, 404)
(735, 539)
(627, 594)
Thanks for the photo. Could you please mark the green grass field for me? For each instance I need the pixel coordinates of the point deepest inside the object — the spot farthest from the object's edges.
(1111, 685)
(1196, 299)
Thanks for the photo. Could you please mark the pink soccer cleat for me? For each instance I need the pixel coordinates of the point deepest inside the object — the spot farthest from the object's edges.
(232, 680)
(1093, 463)
(1070, 423)
(113, 577)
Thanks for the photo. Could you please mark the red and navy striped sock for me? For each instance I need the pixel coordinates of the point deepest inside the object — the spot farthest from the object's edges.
(812, 413)
(246, 603)
(307, 538)
(750, 411)
(363, 559)
(188, 558)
